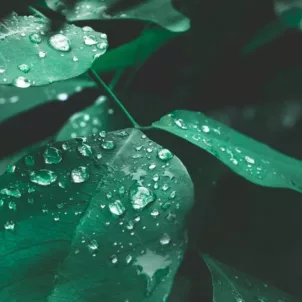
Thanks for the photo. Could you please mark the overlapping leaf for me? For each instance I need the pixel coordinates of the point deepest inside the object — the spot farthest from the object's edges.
(31, 55)
(229, 285)
(252, 160)
(94, 219)
(158, 11)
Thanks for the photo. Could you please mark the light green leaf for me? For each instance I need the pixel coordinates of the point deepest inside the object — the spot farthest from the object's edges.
(135, 52)
(96, 219)
(31, 55)
(158, 11)
(252, 160)
(92, 120)
(14, 100)
(230, 285)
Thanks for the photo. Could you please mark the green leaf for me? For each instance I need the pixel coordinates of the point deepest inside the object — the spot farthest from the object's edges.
(230, 285)
(97, 219)
(252, 160)
(158, 11)
(14, 100)
(32, 55)
(135, 52)
(92, 120)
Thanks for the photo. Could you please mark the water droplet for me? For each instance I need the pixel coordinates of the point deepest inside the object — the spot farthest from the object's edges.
(85, 150)
(172, 195)
(62, 97)
(121, 190)
(250, 160)
(29, 160)
(165, 239)
(12, 205)
(155, 213)
(117, 208)
(130, 225)
(108, 145)
(140, 197)
(79, 174)
(11, 168)
(205, 128)
(43, 177)
(35, 38)
(93, 245)
(156, 177)
(24, 68)
(238, 298)
(21, 82)
(9, 225)
(165, 154)
(2, 69)
(87, 29)
(90, 40)
(128, 259)
(180, 123)
(152, 166)
(42, 54)
(52, 155)
(114, 259)
(75, 59)
(60, 42)
(11, 192)
(102, 47)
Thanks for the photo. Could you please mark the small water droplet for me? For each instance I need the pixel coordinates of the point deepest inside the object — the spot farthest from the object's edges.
(155, 213)
(165, 239)
(29, 160)
(62, 97)
(2, 69)
(85, 150)
(205, 128)
(79, 174)
(117, 208)
(121, 191)
(249, 160)
(152, 166)
(130, 225)
(165, 154)
(12, 205)
(108, 145)
(42, 54)
(128, 259)
(24, 68)
(140, 197)
(90, 40)
(114, 259)
(9, 225)
(43, 177)
(93, 245)
(102, 47)
(60, 42)
(52, 155)
(172, 195)
(35, 38)
(87, 29)
(75, 59)
(21, 82)
(180, 123)
(11, 168)
(156, 177)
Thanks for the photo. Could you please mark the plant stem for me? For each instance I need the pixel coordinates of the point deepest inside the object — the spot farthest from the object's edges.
(95, 77)
(36, 12)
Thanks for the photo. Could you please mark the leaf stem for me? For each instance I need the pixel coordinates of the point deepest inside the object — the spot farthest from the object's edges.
(34, 11)
(96, 78)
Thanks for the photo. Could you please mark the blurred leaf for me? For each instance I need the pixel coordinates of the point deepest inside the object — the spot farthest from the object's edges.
(78, 221)
(14, 100)
(135, 52)
(158, 11)
(252, 160)
(229, 285)
(31, 58)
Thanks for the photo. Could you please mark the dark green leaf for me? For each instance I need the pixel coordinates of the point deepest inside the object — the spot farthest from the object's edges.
(33, 56)
(158, 11)
(252, 160)
(135, 52)
(74, 227)
(229, 285)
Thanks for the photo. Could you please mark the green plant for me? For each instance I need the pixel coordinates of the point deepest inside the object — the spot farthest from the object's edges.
(91, 208)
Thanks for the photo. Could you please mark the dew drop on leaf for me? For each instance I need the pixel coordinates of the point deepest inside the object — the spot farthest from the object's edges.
(108, 145)
(114, 259)
(128, 259)
(140, 197)
(155, 213)
(42, 54)
(87, 28)
(165, 239)
(93, 245)
(29, 160)
(60, 42)
(249, 160)
(85, 150)
(24, 68)
(117, 208)
(52, 156)
(205, 128)
(21, 82)
(9, 225)
(35, 38)
(164, 154)
(2, 69)
(80, 174)
(90, 40)
(43, 177)
(180, 123)
(11, 192)
(11, 168)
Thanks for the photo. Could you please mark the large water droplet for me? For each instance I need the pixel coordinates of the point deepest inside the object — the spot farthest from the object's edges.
(165, 154)
(85, 150)
(24, 68)
(90, 39)
(165, 239)
(11, 192)
(43, 177)
(21, 82)
(79, 174)
(141, 197)
(35, 38)
(60, 42)
(117, 208)
(52, 155)
(108, 145)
